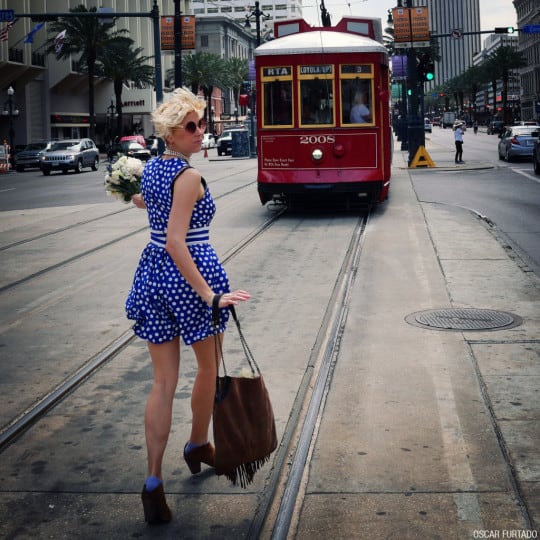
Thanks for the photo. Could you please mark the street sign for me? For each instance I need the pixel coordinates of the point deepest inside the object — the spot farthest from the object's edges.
(531, 29)
(7, 15)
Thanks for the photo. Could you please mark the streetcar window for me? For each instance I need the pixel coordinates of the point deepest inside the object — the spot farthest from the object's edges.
(316, 94)
(356, 91)
(277, 103)
(356, 102)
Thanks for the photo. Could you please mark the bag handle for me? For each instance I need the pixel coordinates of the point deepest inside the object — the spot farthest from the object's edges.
(255, 371)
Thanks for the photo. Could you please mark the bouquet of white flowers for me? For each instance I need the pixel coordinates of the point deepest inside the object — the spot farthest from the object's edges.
(123, 178)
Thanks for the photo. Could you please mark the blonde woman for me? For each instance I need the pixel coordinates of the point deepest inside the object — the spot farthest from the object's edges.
(174, 285)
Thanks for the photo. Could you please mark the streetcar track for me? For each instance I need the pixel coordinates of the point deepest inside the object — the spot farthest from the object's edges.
(314, 387)
(313, 391)
(26, 419)
(62, 229)
(83, 254)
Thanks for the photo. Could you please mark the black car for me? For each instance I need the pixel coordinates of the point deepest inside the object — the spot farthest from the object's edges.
(494, 127)
(129, 149)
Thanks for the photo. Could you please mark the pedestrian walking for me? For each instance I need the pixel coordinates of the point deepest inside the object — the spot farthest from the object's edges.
(459, 129)
(171, 297)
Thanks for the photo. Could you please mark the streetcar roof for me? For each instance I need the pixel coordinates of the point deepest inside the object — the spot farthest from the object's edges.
(319, 41)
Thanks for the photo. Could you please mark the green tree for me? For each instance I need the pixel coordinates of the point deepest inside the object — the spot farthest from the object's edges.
(124, 64)
(237, 71)
(203, 71)
(500, 64)
(88, 37)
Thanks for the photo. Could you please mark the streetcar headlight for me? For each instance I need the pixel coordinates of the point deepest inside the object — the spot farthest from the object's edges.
(317, 154)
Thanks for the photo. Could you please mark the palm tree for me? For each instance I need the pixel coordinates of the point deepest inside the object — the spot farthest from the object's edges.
(237, 71)
(88, 37)
(123, 64)
(501, 63)
(203, 71)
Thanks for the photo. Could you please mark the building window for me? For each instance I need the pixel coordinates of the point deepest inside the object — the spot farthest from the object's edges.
(204, 40)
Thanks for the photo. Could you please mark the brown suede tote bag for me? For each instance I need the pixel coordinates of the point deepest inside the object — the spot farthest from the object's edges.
(244, 426)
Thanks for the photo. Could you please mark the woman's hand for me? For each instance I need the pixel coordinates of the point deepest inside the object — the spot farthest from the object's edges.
(138, 201)
(233, 298)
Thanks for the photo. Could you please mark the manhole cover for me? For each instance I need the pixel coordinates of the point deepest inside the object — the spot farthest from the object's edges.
(464, 319)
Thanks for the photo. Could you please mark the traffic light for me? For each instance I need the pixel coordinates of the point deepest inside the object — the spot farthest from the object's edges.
(505, 30)
(425, 68)
(430, 71)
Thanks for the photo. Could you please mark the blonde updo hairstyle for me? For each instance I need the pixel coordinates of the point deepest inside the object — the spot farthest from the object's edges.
(172, 113)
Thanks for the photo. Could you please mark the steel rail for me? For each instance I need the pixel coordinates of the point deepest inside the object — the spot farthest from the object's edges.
(308, 433)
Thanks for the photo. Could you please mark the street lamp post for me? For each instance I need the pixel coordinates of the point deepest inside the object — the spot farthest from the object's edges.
(11, 110)
(257, 13)
(111, 109)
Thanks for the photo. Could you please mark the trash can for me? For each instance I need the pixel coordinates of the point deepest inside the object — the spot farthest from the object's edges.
(240, 144)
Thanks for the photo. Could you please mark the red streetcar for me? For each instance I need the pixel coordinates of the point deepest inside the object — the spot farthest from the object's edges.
(323, 118)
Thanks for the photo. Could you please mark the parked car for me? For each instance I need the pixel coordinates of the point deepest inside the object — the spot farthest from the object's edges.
(208, 141)
(71, 154)
(153, 144)
(28, 158)
(494, 127)
(134, 138)
(224, 143)
(427, 125)
(130, 149)
(436, 121)
(518, 142)
(536, 156)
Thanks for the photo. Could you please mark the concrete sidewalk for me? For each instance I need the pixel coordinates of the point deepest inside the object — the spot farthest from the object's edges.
(430, 433)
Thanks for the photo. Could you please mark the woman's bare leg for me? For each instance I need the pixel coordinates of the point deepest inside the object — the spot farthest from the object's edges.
(158, 414)
(204, 388)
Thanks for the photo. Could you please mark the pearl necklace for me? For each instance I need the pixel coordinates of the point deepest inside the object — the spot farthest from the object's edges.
(171, 152)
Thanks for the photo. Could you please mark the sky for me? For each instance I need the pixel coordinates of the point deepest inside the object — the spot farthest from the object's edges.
(492, 12)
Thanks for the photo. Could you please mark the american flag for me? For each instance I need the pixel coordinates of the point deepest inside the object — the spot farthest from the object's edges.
(5, 30)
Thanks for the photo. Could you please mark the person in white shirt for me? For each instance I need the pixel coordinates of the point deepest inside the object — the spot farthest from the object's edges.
(458, 137)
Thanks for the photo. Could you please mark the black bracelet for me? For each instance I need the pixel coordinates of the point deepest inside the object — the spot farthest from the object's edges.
(215, 309)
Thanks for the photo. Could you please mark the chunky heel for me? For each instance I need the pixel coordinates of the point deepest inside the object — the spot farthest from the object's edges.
(201, 454)
(155, 506)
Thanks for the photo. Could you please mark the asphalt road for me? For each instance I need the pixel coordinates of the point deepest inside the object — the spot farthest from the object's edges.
(507, 194)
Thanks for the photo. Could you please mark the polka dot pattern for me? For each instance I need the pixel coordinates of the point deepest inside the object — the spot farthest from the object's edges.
(161, 302)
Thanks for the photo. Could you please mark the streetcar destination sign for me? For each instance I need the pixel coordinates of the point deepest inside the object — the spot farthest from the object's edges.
(316, 70)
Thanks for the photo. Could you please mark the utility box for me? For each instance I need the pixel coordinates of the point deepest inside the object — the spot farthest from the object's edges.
(240, 144)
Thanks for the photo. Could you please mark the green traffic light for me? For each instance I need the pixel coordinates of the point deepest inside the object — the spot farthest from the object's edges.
(429, 76)
(505, 30)
(409, 92)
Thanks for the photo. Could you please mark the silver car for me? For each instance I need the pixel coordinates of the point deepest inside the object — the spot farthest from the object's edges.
(72, 154)
(518, 142)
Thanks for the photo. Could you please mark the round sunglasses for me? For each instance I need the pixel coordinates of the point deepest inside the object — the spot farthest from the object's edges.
(191, 127)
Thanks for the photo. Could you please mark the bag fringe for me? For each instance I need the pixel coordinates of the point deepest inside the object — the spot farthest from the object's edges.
(243, 474)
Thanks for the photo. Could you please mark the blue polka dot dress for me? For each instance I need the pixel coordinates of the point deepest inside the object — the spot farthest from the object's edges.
(161, 302)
